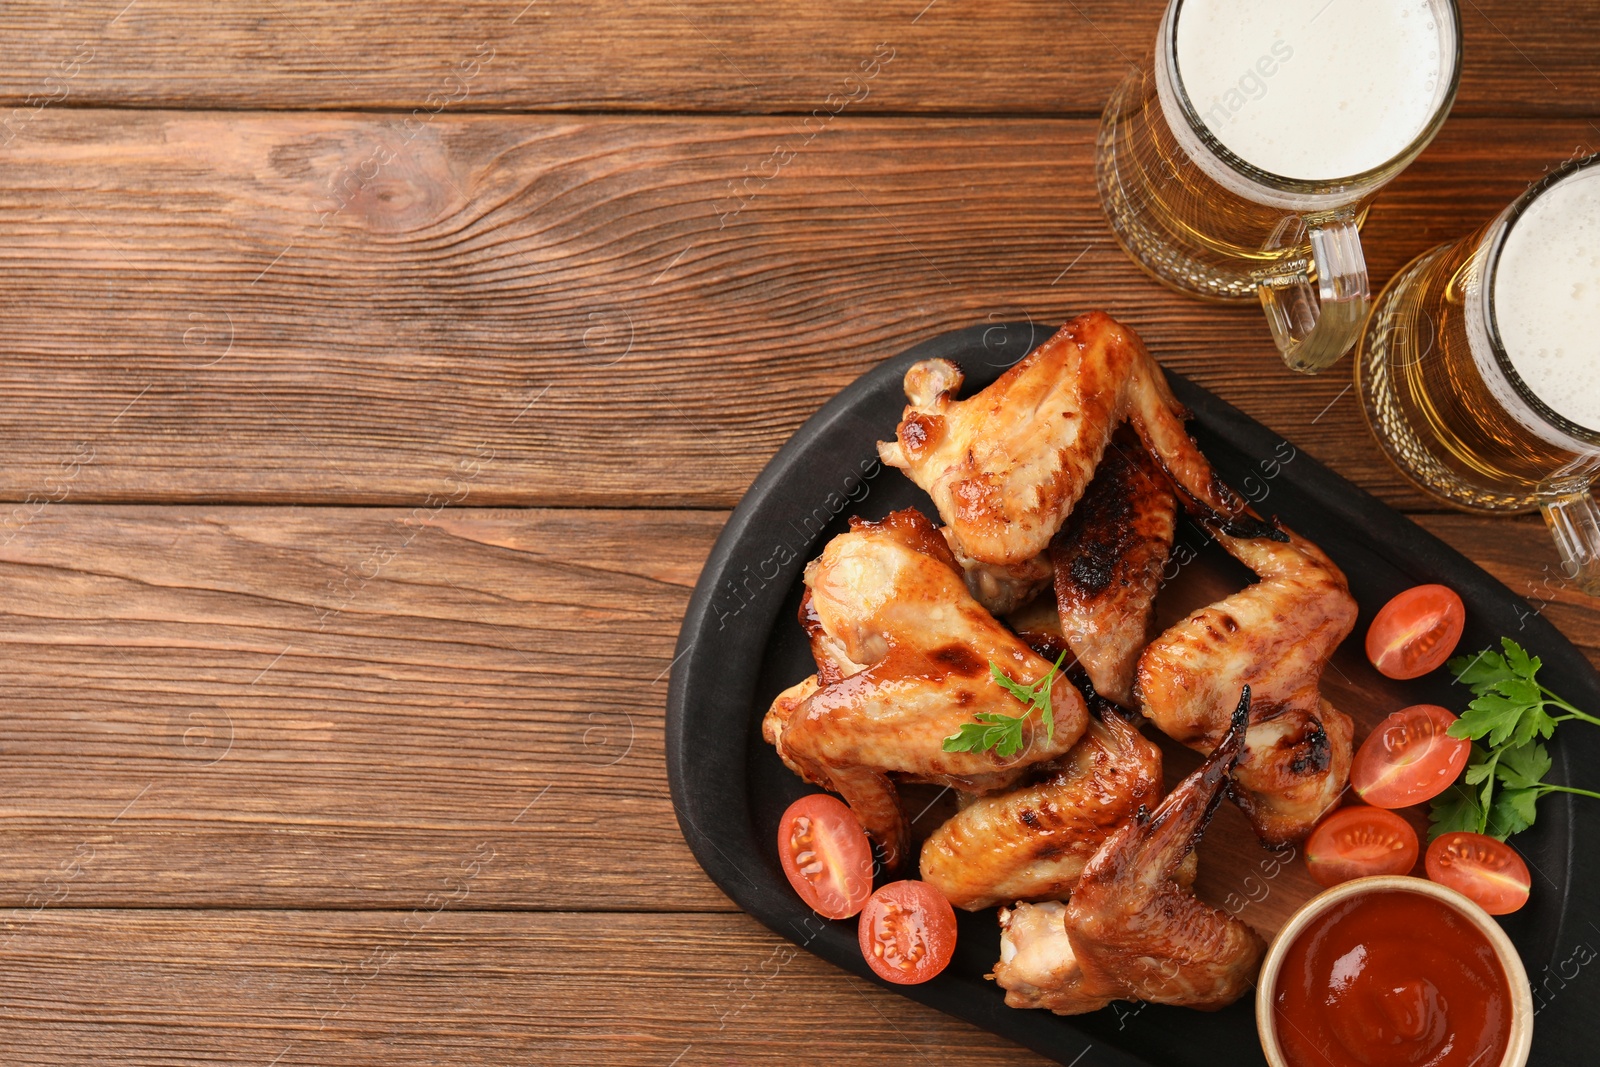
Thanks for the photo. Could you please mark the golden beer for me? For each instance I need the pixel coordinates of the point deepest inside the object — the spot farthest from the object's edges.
(1452, 406)
(1182, 226)
(1210, 222)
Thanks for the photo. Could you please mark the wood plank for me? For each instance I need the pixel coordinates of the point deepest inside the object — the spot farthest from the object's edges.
(530, 310)
(492, 661)
(425, 986)
(213, 707)
(1024, 56)
(1520, 553)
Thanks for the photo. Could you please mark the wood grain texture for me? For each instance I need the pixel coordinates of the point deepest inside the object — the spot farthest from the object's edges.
(334, 708)
(158, 752)
(331, 708)
(1025, 56)
(352, 785)
(292, 308)
(1520, 553)
(424, 986)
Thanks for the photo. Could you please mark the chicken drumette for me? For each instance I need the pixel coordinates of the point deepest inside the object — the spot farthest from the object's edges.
(1031, 843)
(1276, 637)
(1108, 561)
(903, 661)
(1105, 562)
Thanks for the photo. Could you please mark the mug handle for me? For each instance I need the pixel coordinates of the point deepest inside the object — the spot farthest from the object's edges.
(1566, 499)
(1316, 323)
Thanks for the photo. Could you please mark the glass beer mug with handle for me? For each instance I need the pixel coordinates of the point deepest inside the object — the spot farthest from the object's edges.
(1240, 161)
(1480, 368)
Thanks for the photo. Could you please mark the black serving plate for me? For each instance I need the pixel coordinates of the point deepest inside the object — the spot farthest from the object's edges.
(740, 645)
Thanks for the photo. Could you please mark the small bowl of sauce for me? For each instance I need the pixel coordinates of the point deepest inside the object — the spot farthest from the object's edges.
(1393, 971)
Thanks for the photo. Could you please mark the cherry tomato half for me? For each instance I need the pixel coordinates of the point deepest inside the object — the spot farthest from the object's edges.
(1357, 841)
(1409, 758)
(826, 855)
(1488, 871)
(1416, 631)
(908, 932)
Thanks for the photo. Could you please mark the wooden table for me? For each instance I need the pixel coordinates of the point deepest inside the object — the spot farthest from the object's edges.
(376, 380)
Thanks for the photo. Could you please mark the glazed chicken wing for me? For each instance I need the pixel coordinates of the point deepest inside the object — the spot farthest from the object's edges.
(1007, 465)
(1274, 636)
(1108, 560)
(1038, 966)
(887, 598)
(1130, 932)
(1001, 587)
(1031, 843)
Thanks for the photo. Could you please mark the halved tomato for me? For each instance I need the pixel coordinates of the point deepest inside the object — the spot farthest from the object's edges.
(1488, 871)
(1409, 758)
(1416, 631)
(1357, 841)
(908, 932)
(826, 855)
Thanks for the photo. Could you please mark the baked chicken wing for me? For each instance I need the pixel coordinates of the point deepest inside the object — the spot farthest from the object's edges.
(1031, 843)
(1130, 932)
(903, 656)
(1108, 560)
(1038, 966)
(1276, 637)
(1002, 588)
(1007, 465)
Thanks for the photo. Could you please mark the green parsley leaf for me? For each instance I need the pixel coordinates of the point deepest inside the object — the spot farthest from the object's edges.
(1518, 660)
(1536, 722)
(1486, 797)
(1002, 732)
(1512, 812)
(1523, 768)
(1022, 692)
(1509, 711)
(992, 730)
(1509, 704)
(1486, 667)
(1490, 716)
(1455, 809)
(1477, 775)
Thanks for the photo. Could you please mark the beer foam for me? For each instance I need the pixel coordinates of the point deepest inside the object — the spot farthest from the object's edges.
(1314, 89)
(1547, 297)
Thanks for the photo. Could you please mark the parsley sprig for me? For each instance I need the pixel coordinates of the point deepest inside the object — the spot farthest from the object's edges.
(1003, 733)
(1504, 777)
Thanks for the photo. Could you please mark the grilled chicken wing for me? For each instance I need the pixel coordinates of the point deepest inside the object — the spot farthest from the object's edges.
(1038, 967)
(1001, 587)
(1108, 560)
(1031, 843)
(1039, 624)
(888, 598)
(1274, 636)
(1006, 466)
(1130, 932)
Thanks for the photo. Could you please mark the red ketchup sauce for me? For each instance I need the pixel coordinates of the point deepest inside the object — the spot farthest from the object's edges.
(1392, 979)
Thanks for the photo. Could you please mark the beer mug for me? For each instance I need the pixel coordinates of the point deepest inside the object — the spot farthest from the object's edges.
(1480, 368)
(1240, 161)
